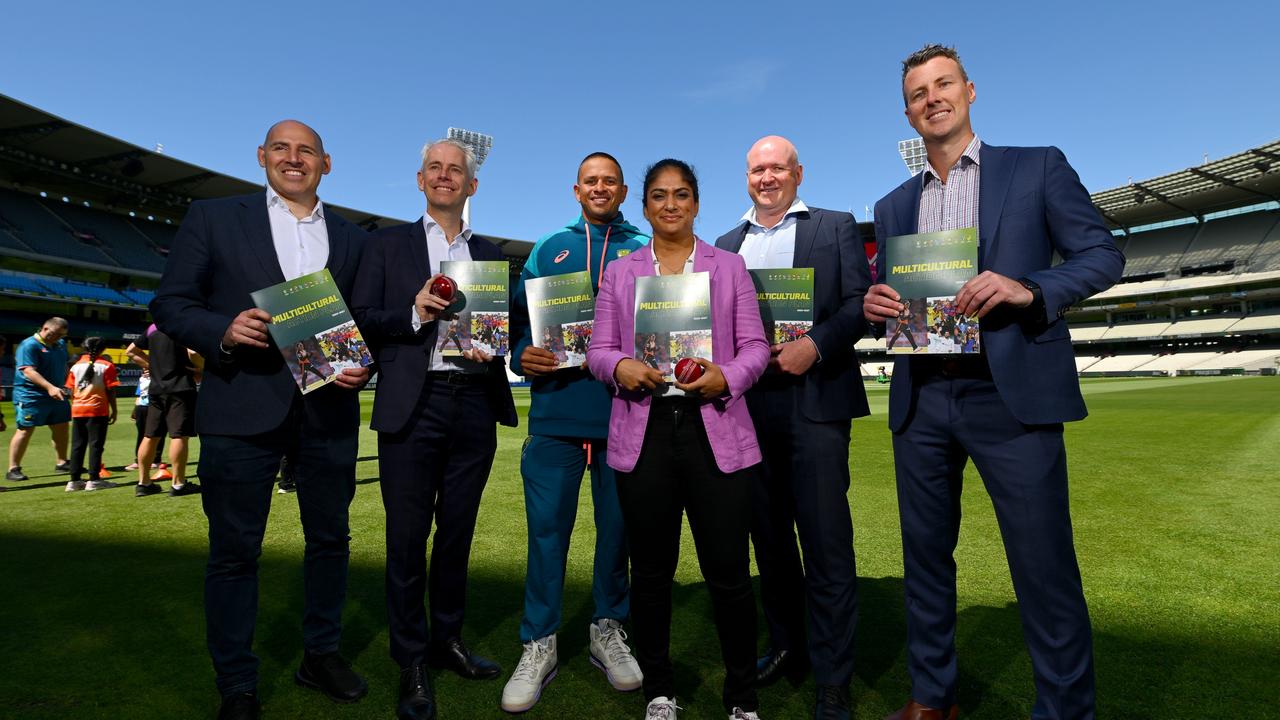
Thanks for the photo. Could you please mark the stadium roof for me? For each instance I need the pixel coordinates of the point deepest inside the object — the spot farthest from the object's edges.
(1246, 178)
(43, 152)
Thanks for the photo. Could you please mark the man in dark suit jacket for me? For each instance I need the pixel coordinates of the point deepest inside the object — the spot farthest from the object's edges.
(802, 408)
(436, 420)
(251, 412)
(1003, 408)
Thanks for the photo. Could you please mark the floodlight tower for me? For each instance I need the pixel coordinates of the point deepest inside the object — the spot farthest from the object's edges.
(913, 154)
(480, 144)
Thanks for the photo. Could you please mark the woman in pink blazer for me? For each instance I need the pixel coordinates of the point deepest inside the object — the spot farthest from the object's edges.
(684, 453)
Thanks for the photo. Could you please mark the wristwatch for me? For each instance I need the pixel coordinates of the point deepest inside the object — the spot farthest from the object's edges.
(1034, 313)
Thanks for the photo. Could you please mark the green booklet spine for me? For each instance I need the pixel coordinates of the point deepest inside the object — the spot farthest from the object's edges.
(673, 320)
(562, 310)
(786, 302)
(313, 329)
(927, 270)
(481, 311)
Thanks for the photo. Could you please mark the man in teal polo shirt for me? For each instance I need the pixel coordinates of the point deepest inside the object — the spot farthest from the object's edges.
(39, 397)
(568, 425)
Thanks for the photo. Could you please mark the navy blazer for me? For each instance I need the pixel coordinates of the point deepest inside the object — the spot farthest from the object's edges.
(223, 252)
(828, 242)
(395, 267)
(1031, 206)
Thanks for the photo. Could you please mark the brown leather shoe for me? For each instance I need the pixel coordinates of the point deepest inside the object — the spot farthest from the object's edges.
(915, 711)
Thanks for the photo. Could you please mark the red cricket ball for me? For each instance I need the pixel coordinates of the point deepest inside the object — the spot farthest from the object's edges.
(687, 371)
(444, 288)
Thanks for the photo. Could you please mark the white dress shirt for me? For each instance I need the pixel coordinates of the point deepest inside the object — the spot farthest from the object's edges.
(771, 247)
(302, 246)
(440, 248)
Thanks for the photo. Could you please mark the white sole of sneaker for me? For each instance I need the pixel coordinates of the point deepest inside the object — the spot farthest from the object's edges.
(619, 686)
(515, 709)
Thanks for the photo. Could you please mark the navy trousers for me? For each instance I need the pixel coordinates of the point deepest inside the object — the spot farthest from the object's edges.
(804, 488)
(552, 469)
(433, 470)
(1024, 469)
(238, 475)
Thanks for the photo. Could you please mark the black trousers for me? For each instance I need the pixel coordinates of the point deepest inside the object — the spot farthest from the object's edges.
(803, 489)
(434, 469)
(239, 476)
(87, 433)
(677, 473)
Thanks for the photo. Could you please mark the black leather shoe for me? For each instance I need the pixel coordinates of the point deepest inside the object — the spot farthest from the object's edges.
(239, 707)
(332, 675)
(832, 703)
(777, 664)
(417, 699)
(455, 656)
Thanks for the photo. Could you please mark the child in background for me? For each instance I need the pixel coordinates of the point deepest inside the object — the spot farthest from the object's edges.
(93, 407)
(141, 401)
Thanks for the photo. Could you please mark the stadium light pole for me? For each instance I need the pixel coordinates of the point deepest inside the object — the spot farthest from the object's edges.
(480, 144)
(913, 154)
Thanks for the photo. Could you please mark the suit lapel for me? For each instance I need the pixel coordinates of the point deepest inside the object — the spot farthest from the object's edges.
(806, 230)
(739, 236)
(337, 229)
(257, 230)
(997, 173)
(418, 245)
(909, 211)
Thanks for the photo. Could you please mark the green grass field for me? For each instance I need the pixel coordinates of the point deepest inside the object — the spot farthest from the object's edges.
(1175, 504)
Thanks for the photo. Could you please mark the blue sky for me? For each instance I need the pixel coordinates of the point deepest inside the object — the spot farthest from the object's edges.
(1125, 89)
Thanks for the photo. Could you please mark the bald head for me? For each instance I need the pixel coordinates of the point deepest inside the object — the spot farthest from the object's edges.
(774, 145)
(290, 124)
(774, 174)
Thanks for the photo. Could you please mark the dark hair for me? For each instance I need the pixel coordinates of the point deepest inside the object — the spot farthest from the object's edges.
(94, 347)
(686, 173)
(929, 52)
(606, 156)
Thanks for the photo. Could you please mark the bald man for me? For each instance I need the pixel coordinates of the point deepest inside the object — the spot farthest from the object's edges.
(251, 412)
(802, 408)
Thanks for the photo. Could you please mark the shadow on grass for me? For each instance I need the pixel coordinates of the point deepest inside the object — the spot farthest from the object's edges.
(101, 629)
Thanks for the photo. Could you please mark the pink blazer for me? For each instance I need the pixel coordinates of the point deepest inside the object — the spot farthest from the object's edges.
(739, 348)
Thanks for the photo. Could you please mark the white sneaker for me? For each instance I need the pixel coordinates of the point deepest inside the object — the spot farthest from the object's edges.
(537, 667)
(740, 714)
(610, 653)
(99, 485)
(75, 485)
(661, 708)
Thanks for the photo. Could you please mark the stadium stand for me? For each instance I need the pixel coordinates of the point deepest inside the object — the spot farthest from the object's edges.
(86, 221)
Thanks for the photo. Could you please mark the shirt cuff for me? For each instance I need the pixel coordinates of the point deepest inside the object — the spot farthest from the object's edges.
(815, 348)
(414, 322)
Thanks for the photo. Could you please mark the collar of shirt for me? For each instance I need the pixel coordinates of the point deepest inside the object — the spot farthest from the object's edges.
(433, 229)
(797, 206)
(684, 270)
(275, 201)
(971, 154)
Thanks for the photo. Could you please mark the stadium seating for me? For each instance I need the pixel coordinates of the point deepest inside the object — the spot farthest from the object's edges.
(121, 240)
(1084, 333)
(46, 233)
(1268, 321)
(1201, 326)
(1231, 239)
(1156, 251)
(1244, 359)
(1121, 363)
(1137, 330)
(1174, 362)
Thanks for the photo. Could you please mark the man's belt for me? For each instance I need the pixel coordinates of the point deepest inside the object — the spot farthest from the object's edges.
(965, 367)
(456, 377)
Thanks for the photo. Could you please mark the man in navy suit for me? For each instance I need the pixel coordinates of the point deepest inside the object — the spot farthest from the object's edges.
(801, 409)
(436, 419)
(251, 413)
(1004, 408)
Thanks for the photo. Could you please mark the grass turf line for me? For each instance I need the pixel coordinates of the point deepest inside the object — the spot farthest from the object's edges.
(1173, 498)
